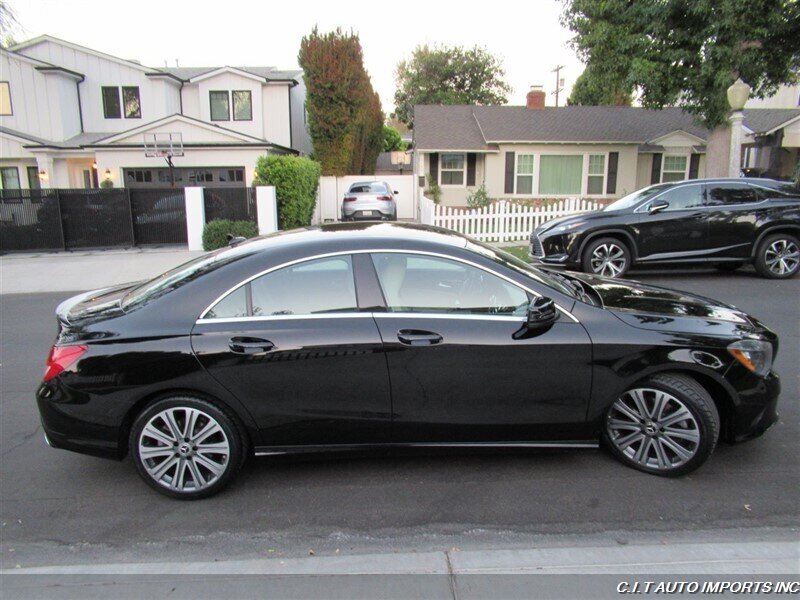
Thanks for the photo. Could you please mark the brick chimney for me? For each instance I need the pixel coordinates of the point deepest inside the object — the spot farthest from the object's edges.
(536, 97)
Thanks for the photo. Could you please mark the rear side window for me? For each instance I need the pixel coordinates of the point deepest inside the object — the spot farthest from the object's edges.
(730, 193)
(314, 287)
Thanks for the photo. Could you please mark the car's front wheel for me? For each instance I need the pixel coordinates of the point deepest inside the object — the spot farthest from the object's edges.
(607, 257)
(186, 448)
(778, 256)
(667, 425)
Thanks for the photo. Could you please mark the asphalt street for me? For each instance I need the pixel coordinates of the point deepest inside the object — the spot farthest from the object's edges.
(58, 507)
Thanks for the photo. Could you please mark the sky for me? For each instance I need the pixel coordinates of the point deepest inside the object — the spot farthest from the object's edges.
(526, 35)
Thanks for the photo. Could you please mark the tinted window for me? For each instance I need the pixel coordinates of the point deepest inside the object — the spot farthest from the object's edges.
(682, 197)
(133, 106)
(318, 286)
(730, 193)
(413, 283)
(111, 105)
(231, 306)
(368, 188)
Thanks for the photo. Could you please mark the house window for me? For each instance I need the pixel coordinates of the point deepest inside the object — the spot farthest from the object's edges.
(33, 178)
(139, 175)
(524, 173)
(220, 105)
(452, 169)
(130, 100)
(233, 175)
(199, 176)
(560, 174)
(674, 168)
(242, 105)
(111, 105)
(595, 182)
(5, 99)
(9, 178)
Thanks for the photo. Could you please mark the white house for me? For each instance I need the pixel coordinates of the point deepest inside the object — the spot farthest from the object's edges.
(71, 116)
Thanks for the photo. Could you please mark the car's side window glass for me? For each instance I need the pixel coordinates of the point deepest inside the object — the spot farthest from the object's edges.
(415, 283)
(682, 197)
(232, 306)
(319, 286)
(730, 193)
(324, 285)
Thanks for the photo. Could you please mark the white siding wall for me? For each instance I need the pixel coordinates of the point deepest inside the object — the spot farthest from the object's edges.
(275, 114)
(101, 72)
(33, 96)
(197, 103)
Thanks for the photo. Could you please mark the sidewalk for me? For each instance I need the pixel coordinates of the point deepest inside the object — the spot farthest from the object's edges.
(81, 271)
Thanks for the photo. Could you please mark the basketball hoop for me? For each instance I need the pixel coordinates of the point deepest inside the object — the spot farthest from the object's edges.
(164, 145)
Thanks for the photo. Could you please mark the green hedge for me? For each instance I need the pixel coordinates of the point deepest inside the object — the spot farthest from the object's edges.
(296, 180)
(215, 233)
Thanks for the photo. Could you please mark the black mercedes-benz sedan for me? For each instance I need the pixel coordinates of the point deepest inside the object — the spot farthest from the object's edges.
(379, 335)
(723, 222)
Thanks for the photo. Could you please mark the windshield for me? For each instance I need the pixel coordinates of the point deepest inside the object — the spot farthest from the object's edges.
(512, 262)
(634, 198)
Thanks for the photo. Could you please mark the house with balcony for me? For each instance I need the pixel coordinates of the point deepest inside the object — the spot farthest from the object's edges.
(71, 116)
(596, 152)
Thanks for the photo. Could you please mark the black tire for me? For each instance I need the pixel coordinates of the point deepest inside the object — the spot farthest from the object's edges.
(612, 247)
(229, 432)
(704, 423)
(765, 255)
(728, 267)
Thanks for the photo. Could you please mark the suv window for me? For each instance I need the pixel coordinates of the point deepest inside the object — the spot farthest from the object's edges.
(367, 187)
(720, 194)
(318, 286)
(683, 197)
(413, 283)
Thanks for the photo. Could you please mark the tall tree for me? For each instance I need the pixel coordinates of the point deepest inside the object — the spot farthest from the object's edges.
(448, 75)
(345, 119)
(593, 88)
(392, 140)
(687, 52)
(9, 24)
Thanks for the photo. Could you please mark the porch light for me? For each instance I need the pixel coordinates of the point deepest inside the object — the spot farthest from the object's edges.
(43, 175)
(107, 174)
(94, 166)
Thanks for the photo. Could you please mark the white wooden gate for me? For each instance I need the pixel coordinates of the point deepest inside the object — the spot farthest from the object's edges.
(332, 190)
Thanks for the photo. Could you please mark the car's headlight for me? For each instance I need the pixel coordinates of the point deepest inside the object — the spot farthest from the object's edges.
(566, 227)
(756, 355)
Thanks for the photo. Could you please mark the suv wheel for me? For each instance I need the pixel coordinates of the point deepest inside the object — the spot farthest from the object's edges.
(186, 448)
(778, 256)
(607, 257)
(667, 425)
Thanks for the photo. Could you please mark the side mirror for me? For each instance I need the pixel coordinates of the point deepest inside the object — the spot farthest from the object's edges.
(658, 206)
(542, 314)
(396, 192)
(234, 240)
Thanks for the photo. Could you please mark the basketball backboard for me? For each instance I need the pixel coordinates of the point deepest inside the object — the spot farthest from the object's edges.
(164, 145)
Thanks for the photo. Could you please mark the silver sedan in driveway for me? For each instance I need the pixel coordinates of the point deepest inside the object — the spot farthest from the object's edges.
(369, 200)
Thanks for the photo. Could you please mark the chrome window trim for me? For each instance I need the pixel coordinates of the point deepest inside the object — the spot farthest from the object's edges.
(202, 318)
(640, 208)
(435, 315)
(342, 315)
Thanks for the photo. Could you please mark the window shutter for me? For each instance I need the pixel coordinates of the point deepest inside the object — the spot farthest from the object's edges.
(655, 172)
(694, 166)
(434, 171)
(509, 184)
(471, 160)
(611, 182)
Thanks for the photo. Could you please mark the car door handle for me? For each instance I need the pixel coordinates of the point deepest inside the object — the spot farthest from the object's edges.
(249, 345)
(415, 337)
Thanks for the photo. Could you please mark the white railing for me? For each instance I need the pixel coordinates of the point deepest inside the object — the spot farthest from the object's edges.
(500, 221)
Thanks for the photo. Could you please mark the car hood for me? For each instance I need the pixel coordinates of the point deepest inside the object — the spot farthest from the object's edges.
(653, 307)
(572, 220)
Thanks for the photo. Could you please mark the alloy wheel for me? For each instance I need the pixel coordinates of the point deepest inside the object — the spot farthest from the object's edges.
(782, 257)
(184, 449)
(653, 429)
(608, 260)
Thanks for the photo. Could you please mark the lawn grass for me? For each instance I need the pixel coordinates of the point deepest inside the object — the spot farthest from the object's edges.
(520, 252)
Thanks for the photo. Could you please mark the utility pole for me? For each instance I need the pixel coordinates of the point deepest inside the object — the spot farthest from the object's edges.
(559, 81)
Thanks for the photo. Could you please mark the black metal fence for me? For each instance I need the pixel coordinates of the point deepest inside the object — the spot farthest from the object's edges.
(234, 203)
(104, 218)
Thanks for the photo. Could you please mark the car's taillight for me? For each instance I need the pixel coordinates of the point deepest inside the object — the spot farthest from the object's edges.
(60, 359)
(349, 198)
(385, 198)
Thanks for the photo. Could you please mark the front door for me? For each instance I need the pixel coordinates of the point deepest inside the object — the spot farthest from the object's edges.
(678, 231)
(293, 347)
(462, 368)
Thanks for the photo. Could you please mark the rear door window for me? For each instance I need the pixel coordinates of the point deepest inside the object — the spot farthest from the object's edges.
(727, 194)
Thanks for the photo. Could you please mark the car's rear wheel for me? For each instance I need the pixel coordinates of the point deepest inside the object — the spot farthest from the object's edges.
(778, 256)
(667, 425)
(186, 447)
(607, 257)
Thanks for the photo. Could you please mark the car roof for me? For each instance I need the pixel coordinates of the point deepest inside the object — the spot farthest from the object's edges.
(343, 235)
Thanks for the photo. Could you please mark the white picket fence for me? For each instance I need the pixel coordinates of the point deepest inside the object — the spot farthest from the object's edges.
(500, 221)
